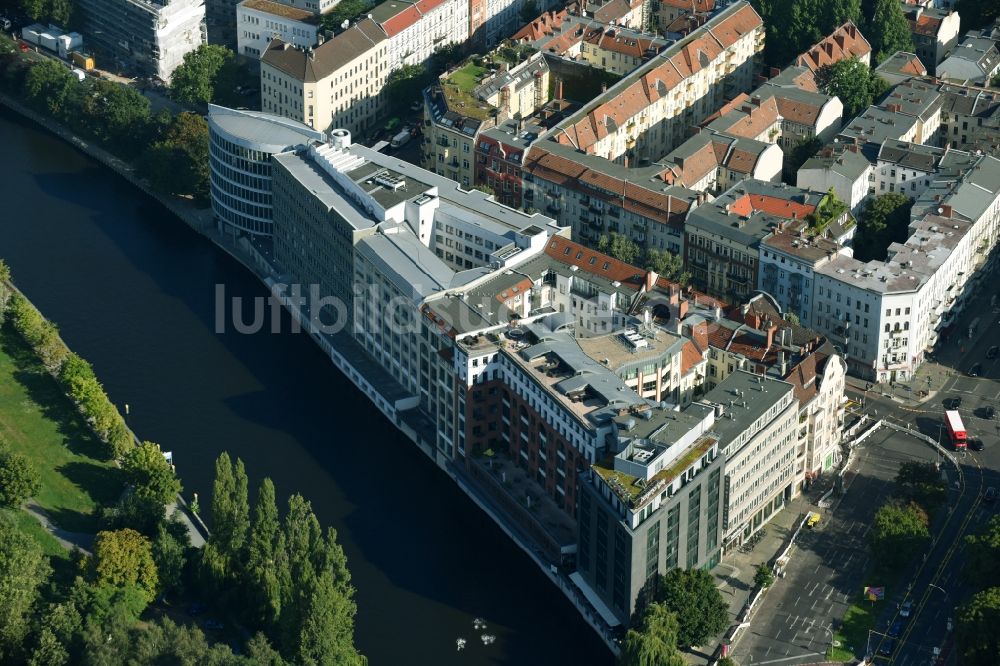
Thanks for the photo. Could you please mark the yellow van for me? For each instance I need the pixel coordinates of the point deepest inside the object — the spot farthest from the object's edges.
(812, 520)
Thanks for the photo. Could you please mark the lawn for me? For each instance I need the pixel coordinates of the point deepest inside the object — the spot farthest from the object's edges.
(467, 77)
(37, 419)
(853, 632)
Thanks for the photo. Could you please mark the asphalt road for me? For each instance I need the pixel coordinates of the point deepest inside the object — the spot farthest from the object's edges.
(795, 621)
(941, 583)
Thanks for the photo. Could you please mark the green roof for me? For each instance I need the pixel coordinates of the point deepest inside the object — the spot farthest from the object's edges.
(626, 487)
(458, 87)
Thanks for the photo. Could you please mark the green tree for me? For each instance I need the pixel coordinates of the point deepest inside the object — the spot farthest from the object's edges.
(726, 661)
(60, 12)
(763, 577)
(484, 188)
(888, 31)
(222, 556)
(170, 555)
(921, 483)
(792, 318)
(23, 570)
(194, 80)
(885, 219)
(668, 265)
(34, 9)
(19, 480)
(119, 116)
(984, 554)
(48, 84)
(124, 558)
(49, 651)
(529, 11)
(259, 652)
(898, 532)
(58, 634)
(149, 473)
(622, 248)
(692, 595)
(977, 13)
(977, 635)
(262, 580)
(853, 82)
(327, 634)
(346, 10)
(178, 163)
(405, 84)
(654, 643)
(795, 25)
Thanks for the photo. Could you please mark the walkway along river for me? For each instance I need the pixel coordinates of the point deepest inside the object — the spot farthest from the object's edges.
(133, 290)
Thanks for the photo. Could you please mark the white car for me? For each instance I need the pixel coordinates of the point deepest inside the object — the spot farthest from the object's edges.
(906, 608)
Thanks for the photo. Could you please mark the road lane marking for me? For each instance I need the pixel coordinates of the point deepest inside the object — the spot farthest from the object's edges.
(778, 661)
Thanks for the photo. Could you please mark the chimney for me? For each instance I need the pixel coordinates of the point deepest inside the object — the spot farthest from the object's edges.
(682, 309)
(651, 277)
(771, 329)
(946, 210)
(559, 89)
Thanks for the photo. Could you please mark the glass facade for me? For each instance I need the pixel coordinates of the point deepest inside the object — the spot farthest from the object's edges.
(241, 185)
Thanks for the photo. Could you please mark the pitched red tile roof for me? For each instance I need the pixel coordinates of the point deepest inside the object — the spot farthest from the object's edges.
(689, 59)
(776, 206)
(694, 6)
(842, 43)
(690, 357)
(925, 25)
(634, 198)
(610, 40)
(573, 254)
(401, 21)
(546, 24)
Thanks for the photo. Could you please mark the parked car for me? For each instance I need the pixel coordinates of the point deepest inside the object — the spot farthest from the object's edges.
(975, 370)
(975, 444)
(986, 412)
(906, 608)
(953, 403)
(897, 628)
(993, 352)
(887, 647)
(991, 494)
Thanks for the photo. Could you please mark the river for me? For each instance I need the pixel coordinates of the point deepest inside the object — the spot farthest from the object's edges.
(133, 291)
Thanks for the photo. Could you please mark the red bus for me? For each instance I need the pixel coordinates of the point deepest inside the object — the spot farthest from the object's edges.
(956, 429)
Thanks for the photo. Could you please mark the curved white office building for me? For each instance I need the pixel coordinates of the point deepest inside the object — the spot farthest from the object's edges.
(241, 144)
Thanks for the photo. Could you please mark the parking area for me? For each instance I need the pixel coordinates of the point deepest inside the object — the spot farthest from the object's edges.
(796, 620)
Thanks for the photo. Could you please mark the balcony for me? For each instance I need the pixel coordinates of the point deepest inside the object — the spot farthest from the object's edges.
(443, 142)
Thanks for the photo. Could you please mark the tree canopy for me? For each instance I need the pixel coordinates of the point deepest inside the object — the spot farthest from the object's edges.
(692, 595)
(921, 483)
(795, 25)
(210, 73)
(977, 13)
(888, 30)
(654, 642)
(668, 265)
(976, 633)
(124, 558)
(899, 531)
(18, 479)
(149, 473)
(984, 554)
(853, 82)
(619, 246)
(885, 219)
(23, 570)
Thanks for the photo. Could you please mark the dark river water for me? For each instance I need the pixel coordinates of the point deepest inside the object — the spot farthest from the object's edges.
(133, 291)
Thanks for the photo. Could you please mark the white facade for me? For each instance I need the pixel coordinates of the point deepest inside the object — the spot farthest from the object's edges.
(421, 28)
(178, 32)
(255, 27)
(849, 175)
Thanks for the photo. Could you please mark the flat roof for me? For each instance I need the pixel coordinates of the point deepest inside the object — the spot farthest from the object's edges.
(282, 10)
(267, 132)
(759, 394)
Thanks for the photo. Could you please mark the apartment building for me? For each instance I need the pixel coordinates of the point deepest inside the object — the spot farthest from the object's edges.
(842, 168)
(913, 296)
(492, 21)
(646, 114)
(723, 238)
(909, 168)
(654, 506)
(415, 29)
(757, 436)
(597, 197)
(805, 112)
(712, 161)
(240, 147)
(609, 47)
(260, 21)
(225, 25)
(801, 357)
(463, 105)
(664, 13)
(901, 66)
(145, 38)
(843, 43)
(975, 61)
(970, 118)
(935, 33)
(336, 85)
(500, 155)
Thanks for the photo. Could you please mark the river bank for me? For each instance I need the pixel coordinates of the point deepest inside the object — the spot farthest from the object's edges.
(366, 377)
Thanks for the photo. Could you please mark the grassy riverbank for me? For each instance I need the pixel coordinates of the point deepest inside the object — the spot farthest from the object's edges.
(38, 421)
